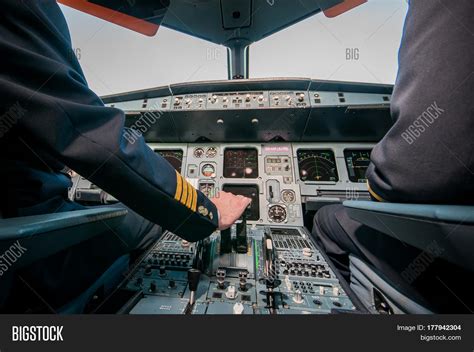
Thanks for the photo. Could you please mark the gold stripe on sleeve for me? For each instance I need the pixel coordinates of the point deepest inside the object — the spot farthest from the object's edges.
(375, 195)
(179, 186)
(190, 195)
(194, 204)
(184, 196)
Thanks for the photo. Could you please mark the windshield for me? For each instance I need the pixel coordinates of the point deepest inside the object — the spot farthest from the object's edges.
(360, 46)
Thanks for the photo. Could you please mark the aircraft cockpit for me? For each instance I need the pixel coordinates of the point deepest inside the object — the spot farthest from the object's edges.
(293, 145)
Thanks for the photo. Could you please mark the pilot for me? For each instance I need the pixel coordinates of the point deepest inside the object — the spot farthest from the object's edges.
(50, 121)
(426, 157)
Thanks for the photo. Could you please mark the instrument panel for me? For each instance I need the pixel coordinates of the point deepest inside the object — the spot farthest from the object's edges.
(278, 177)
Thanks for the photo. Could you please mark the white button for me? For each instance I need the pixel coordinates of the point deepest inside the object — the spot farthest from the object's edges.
(231, 293)
(238, 308)
(298, 298)
(307, 252)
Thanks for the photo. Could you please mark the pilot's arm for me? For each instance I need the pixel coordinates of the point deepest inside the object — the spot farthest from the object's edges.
(41, 73)
(427, 156)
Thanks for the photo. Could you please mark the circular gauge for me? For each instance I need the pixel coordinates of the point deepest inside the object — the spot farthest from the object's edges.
(211, 152)
(317, 165)
(208, 170)
(277, 213)
(198, 152)
(288, 196)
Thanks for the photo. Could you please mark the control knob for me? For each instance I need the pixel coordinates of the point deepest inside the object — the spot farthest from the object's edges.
(298, 297)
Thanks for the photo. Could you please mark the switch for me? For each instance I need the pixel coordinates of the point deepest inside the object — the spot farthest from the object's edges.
(243, 281)
(298, 297)
(238, 308)
(231, 293)
(220, 274)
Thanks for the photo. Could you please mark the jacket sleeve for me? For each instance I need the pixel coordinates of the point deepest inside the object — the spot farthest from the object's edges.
(427, 156)
(41, 74)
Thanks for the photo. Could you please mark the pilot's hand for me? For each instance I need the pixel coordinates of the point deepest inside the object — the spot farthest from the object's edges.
(230, 207)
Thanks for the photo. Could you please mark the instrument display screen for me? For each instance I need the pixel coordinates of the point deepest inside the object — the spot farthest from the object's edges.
(317, 165)
(357, 162)
(249, 191)
(241, 163)
(174, 157)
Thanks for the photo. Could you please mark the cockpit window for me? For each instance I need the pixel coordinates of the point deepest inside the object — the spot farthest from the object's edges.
(115, 59)
(360, 45)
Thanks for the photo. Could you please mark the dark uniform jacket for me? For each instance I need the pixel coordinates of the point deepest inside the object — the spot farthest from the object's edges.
(428, 155)
(50, 118)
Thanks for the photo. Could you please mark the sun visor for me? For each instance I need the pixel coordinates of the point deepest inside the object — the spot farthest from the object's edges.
(142, 16)
(342, 7)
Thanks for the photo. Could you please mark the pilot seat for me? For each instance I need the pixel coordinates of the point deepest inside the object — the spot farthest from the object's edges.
(449, 227)
(45, 235)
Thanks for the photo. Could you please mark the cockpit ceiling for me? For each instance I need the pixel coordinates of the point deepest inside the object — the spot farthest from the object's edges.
(231, 22)
(248, 21)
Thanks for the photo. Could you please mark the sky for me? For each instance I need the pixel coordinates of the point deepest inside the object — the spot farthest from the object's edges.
(360, 45)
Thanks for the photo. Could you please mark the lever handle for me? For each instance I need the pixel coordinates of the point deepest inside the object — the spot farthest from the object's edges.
(193, 279)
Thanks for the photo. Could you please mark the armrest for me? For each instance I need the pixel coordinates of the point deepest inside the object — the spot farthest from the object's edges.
(444, 231)
(40, 236)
